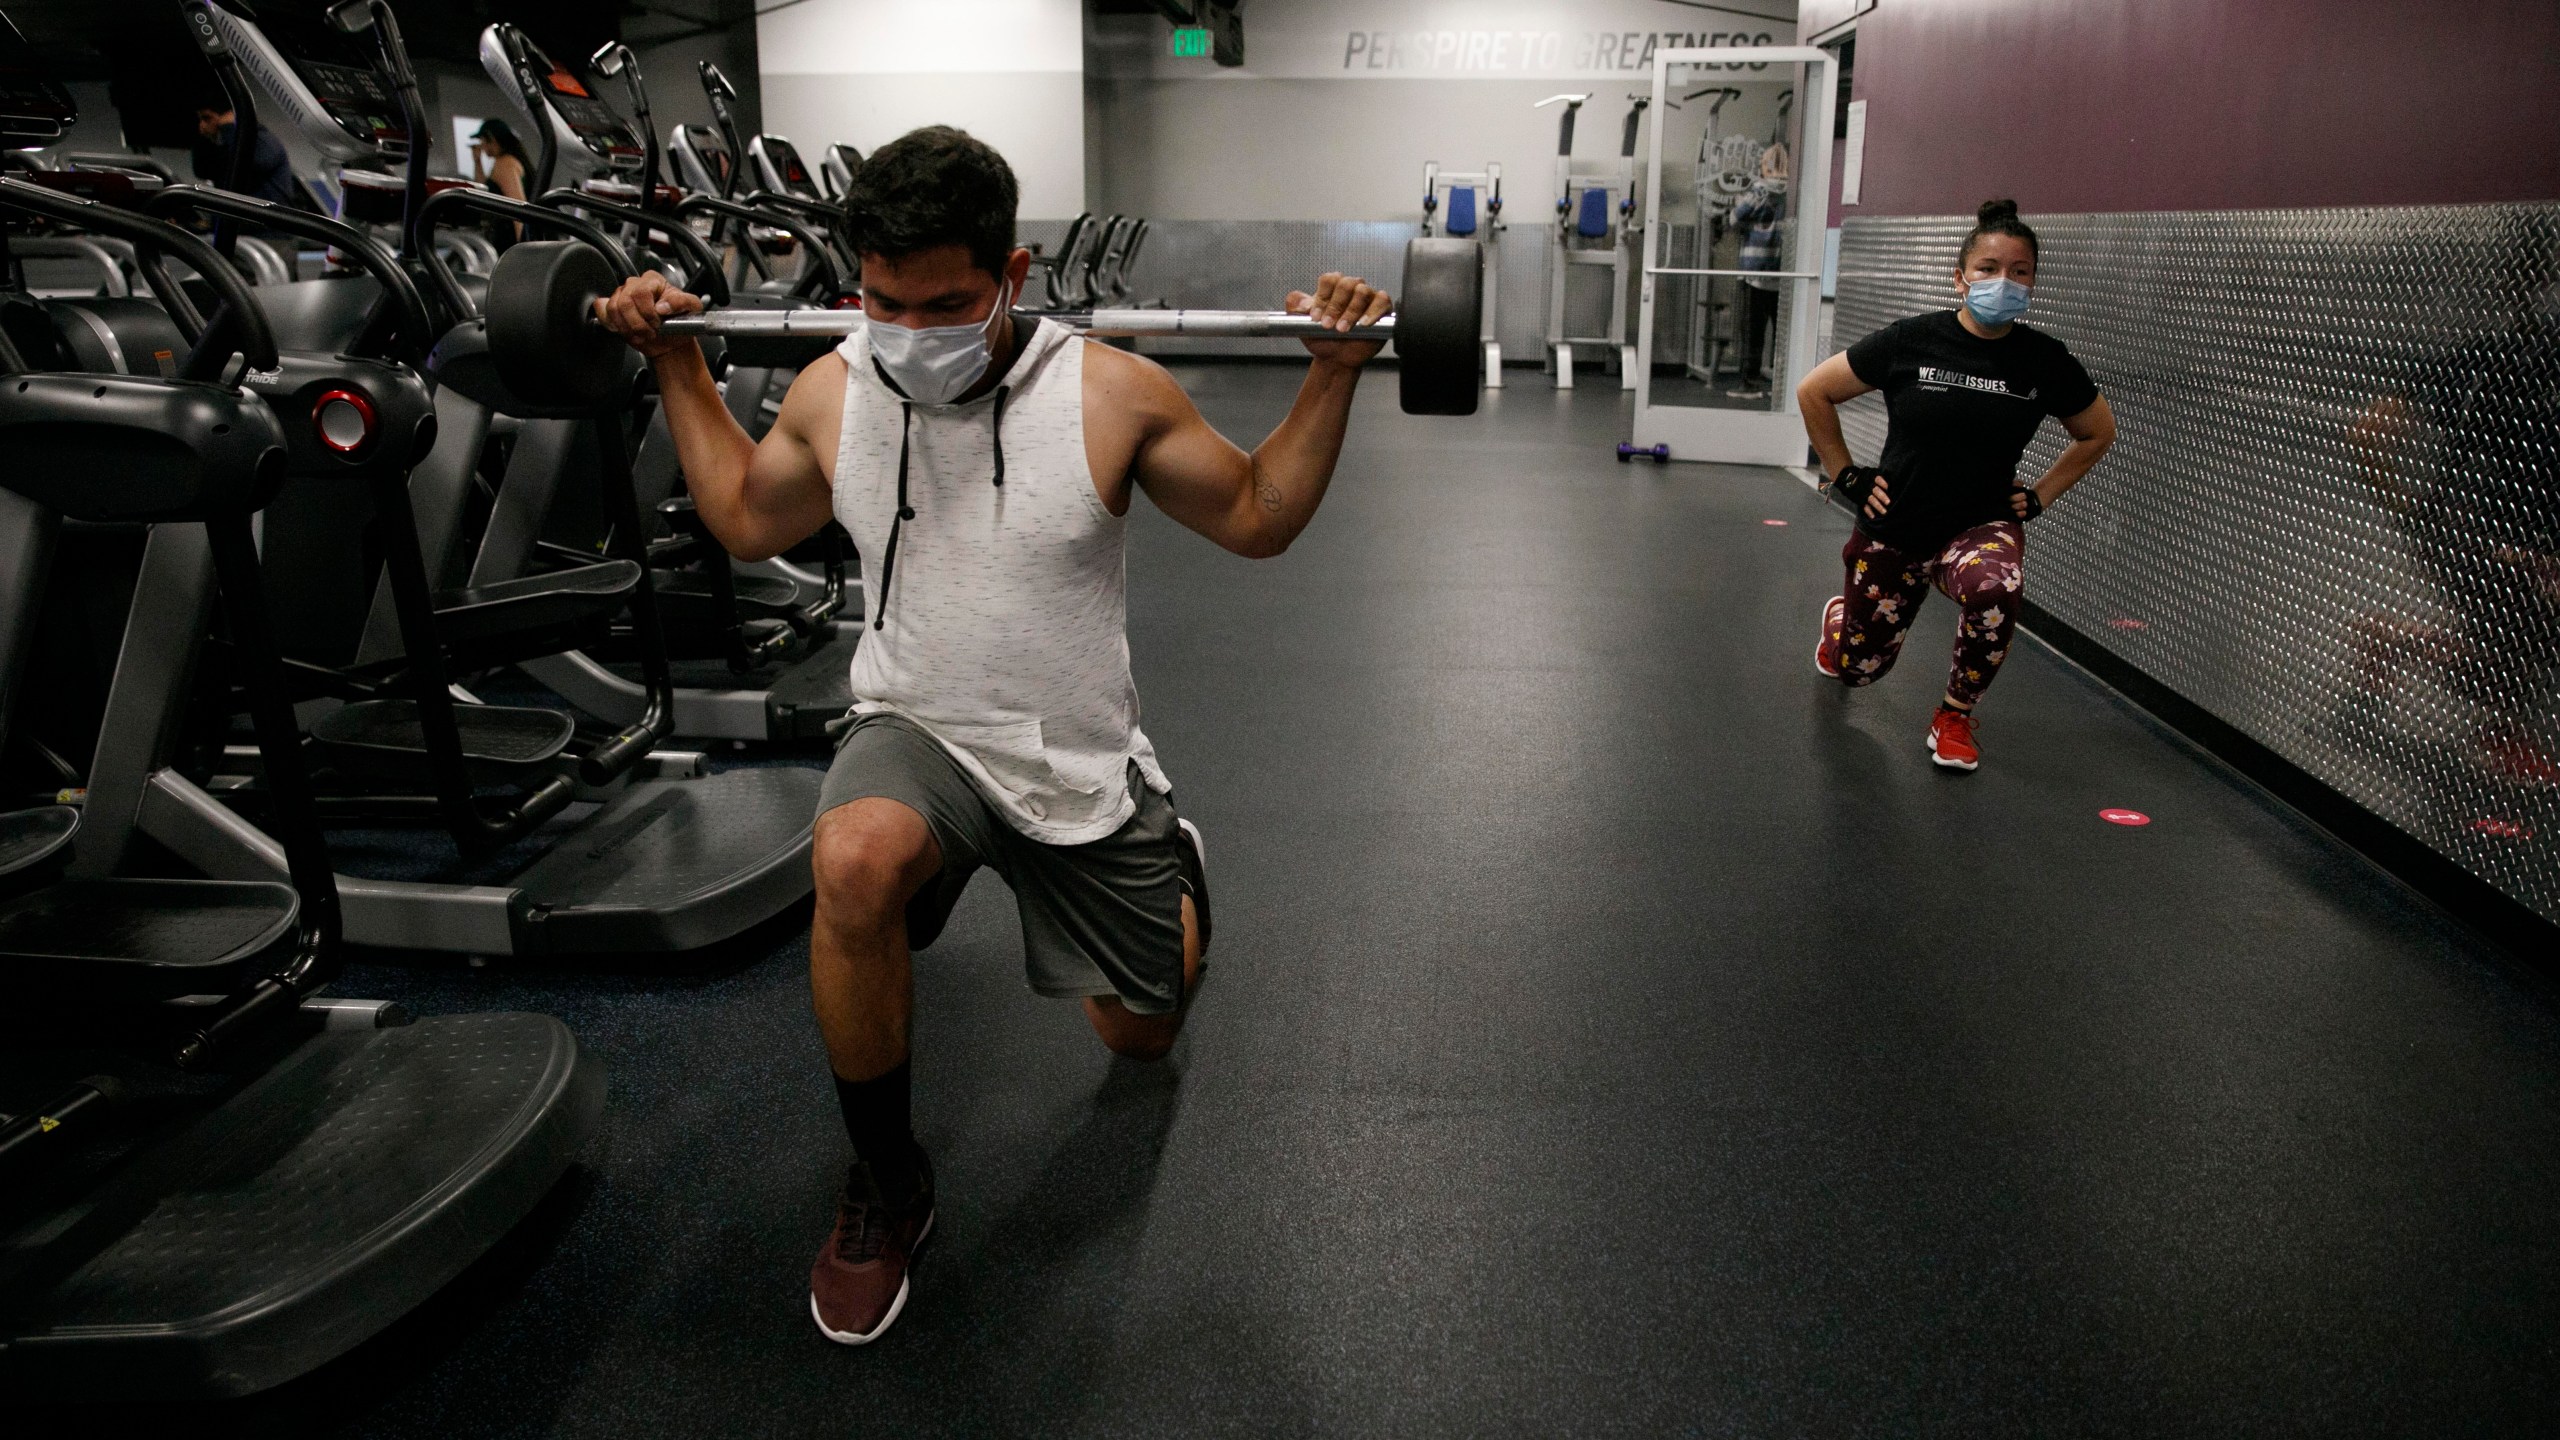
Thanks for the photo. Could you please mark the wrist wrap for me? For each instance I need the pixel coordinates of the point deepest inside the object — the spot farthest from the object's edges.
(1856, 482)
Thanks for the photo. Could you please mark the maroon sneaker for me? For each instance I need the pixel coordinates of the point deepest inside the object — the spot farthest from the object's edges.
(859, 1284)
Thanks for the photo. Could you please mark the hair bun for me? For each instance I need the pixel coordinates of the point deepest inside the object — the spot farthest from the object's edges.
(1995, 211)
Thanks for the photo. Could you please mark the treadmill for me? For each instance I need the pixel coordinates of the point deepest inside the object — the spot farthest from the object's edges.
(650, 854)
(213, 1179)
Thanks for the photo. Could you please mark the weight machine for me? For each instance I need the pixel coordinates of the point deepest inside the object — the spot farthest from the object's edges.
(1595, 227)
(1462, 188)
(1724, 168)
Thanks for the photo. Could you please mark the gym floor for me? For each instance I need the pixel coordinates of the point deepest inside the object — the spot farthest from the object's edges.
(1613, 1028)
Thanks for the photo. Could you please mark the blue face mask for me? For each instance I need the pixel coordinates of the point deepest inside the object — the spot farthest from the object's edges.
(1996, 301)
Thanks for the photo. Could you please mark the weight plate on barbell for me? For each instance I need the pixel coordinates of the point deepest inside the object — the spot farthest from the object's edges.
(543, 337)
(1439, 327)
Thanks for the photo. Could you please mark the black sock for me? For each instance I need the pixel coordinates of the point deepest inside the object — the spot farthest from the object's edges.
(876, 1120)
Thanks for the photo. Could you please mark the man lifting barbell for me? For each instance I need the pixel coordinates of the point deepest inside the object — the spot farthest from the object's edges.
(985, 469)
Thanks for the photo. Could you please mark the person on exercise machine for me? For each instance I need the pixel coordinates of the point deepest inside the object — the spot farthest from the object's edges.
(266, 172)
(1965, 392)
(984, 465)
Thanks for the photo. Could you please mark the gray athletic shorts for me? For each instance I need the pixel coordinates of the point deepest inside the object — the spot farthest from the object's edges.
(1102, 918)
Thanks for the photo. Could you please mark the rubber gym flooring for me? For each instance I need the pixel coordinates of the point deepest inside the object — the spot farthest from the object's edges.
(1613, 1029)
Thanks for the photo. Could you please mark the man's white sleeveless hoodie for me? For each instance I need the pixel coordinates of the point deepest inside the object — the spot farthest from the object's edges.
(995, 588)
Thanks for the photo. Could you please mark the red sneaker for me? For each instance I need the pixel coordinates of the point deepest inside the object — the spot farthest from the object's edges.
(1951, 739)
(859, 1284)
(1826, 655)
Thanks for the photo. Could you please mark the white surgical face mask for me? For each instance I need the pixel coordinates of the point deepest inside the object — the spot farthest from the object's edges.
(935, 364)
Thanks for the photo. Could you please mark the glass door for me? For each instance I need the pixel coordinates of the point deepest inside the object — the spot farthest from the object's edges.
(1733, 233)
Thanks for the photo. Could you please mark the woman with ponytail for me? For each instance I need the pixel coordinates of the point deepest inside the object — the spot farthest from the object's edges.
(502, 158)
(506, 166)
(1965, 391)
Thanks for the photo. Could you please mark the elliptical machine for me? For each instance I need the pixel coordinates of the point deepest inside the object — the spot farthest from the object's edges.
(668, 857)
(764, 651)
(778, 168)
(577, 135)
(216, 1179)
(766, 172)
(836, 171)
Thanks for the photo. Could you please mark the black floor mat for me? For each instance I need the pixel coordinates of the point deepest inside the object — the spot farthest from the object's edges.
(1615, 1030)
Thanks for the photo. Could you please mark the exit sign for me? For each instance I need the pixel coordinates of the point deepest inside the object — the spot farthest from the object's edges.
(1190, 41)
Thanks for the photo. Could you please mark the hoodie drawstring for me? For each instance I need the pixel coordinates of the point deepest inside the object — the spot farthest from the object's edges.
(907, 512)
(1001, 392)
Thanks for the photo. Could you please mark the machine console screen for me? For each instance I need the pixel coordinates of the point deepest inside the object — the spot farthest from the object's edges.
(603, 130)
(795, 176)
(594, 122)
(356, 99)
(341, 76)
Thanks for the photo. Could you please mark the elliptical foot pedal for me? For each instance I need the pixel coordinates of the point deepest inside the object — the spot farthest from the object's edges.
(304, 1214)
(500, 743)
(692, 587)
(35, 846)
(138, 938)
(818, 690)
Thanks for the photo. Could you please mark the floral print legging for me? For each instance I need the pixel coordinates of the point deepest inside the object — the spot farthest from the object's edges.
(1883, 589)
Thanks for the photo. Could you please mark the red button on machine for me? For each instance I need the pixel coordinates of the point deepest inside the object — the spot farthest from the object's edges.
(2124, 817)
(343, 420)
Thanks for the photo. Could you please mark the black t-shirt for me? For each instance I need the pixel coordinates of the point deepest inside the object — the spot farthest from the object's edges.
(1962, 410)
(268, 175)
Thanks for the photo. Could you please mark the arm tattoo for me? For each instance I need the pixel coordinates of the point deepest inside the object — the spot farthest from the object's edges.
(1268, 494)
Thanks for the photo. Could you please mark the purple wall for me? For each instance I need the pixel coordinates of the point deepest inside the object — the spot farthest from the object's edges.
(2112, 105)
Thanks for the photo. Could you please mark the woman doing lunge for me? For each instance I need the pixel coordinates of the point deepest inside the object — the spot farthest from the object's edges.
(1965, 391)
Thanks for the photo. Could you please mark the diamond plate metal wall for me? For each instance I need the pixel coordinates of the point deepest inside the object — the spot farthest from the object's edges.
(2332, 515)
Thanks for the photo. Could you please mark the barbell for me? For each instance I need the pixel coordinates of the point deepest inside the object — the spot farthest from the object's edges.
(550, 348)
